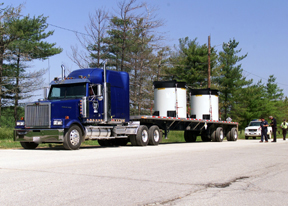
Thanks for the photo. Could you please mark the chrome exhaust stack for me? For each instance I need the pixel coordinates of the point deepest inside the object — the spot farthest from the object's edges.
(105, 95)
(63, 71)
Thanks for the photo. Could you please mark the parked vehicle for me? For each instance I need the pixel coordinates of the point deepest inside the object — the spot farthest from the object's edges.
(93, 104)
(254, 130)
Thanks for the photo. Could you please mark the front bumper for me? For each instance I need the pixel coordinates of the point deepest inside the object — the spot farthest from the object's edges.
(253, 134)
(39, 135)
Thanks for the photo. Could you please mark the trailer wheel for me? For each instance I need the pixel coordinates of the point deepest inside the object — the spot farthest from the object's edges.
(228, 136)
(219, 134)
(205, 137)
(154, 135)
(213, 136)
(29, 145)
(190, 136)
(233, 134)
(132, 139)
(72, 138)
(142, 137)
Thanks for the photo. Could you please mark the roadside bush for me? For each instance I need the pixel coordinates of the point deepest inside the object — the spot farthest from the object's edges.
(6, 133)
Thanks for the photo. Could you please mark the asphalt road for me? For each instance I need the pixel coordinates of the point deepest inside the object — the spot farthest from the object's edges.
(245, 172)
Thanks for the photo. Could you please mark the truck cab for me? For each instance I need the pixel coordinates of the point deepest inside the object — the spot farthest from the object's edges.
(88, 104)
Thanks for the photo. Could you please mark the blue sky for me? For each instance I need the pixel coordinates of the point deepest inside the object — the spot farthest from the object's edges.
(260, 27)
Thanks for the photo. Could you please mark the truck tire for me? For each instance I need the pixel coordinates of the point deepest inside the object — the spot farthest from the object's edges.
(233, 134)
(132, 139)
(190, 136)
(228, 136)
(72, 138)
(154, 135)
(246, 137)
(219, 134)
(205, 137)
(29, 145)
(213, 136)
(142, 137)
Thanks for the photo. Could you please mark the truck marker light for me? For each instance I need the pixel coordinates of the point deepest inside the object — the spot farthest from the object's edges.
(66, 117)
(22, 118)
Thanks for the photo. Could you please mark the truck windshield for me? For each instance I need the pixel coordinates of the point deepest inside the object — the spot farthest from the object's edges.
(254, 124)
(67, 91)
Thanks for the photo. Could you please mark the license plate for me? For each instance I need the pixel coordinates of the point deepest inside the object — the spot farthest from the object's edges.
(36, 139)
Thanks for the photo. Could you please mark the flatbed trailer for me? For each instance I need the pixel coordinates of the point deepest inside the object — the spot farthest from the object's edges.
(209, 130)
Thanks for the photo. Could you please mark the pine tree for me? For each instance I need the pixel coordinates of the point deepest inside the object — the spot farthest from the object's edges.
(231, 81)
(190, 63)
(28, 46)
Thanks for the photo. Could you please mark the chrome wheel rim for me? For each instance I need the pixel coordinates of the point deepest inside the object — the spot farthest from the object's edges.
(235, 135)
(144, 136)
(221, 135)
(156, 135)
(74, 137)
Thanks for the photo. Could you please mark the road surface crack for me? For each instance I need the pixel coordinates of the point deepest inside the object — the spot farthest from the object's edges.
(203, 187)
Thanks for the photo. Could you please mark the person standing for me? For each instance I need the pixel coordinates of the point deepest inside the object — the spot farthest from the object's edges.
(274, 127)
(284, 128)
(263, 125)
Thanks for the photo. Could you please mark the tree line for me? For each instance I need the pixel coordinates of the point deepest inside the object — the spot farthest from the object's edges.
(130, 39)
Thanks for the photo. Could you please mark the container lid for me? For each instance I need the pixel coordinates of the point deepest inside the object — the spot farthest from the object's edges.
(203, 91)
(169, 84)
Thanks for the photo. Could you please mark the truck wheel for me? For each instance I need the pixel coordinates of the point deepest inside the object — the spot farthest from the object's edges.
(219, 134)
(132, 139)
(254, 137)
(205, 137)
(190, 136)
(213, 136)
(233, 134)
(142, 137)
(228, 136)
(154, 135)
(246, 137)
(29, 145)
(72, 138)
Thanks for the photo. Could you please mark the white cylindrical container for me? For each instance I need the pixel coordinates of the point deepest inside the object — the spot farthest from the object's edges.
(204, 104)
(170, 99)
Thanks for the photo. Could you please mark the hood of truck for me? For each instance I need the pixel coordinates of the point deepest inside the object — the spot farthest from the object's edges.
(65, 108)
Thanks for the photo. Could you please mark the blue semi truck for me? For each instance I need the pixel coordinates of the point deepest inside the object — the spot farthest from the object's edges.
(93, 104)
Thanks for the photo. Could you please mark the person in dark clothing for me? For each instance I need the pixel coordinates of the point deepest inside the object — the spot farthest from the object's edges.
(263, 125)
(273, 124)
(284, 127)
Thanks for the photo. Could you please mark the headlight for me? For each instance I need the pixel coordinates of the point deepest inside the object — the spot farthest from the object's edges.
(57, 122)
(20, 123)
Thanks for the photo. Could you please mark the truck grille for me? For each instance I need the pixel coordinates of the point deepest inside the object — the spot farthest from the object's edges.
(252, 130)
(38, 115)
